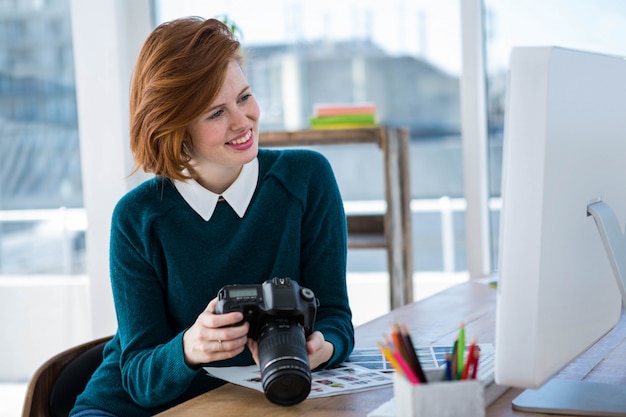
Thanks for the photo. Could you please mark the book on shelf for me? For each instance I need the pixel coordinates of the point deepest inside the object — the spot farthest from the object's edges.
(322, 110)
(360, 120)
(343, 116)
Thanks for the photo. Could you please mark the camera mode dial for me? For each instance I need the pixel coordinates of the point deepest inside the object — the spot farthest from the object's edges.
(307, 294)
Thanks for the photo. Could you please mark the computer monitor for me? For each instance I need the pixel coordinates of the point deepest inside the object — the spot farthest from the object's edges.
(561, 246)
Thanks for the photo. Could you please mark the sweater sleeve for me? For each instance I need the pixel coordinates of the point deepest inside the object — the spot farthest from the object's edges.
(152, 361)
(324, 254)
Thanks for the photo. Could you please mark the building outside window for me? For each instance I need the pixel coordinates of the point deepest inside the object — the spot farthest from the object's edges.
(41, 219)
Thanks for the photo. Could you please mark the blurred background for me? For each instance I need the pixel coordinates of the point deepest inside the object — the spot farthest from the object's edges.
(435, 67)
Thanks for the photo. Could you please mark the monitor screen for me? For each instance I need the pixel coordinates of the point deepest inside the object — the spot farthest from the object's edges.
(564, 148)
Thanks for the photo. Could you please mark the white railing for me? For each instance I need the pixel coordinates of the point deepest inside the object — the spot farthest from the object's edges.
(53, 233)
(65, 223)
(445, 206)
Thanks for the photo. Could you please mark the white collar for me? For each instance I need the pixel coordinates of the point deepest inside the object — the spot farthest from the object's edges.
(238, 195)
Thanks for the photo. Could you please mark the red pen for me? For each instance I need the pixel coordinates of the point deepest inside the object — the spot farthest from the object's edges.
(471, 361)
(476, 360)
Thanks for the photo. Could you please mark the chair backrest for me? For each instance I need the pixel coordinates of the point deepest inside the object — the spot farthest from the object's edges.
(54, 387)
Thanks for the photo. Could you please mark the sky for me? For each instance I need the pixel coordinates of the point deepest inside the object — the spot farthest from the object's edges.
(591, 25)
(429, 29)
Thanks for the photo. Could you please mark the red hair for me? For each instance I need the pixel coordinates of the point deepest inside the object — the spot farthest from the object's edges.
(181, 68)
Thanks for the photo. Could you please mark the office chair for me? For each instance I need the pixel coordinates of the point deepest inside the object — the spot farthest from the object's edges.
(54, 387)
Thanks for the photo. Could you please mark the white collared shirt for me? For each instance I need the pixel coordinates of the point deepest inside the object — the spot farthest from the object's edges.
(238, 195)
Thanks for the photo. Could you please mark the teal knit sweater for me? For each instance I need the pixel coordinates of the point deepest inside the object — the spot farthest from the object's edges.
(167, 263)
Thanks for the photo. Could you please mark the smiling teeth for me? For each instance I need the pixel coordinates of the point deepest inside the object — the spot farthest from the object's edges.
(243, 139)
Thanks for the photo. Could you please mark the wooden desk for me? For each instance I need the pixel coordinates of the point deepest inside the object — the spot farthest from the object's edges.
(390, 231)
(434, 320)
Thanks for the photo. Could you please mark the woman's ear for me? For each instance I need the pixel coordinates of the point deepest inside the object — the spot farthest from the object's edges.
(187, 144)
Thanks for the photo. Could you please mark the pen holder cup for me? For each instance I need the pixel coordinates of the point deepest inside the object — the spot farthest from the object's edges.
(438, 397)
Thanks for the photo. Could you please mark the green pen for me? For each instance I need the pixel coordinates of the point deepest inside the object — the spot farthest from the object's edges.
(460, 351)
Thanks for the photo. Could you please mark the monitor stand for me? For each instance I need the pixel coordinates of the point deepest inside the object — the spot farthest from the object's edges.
(577, 398)
(612, 239)
(583, 398)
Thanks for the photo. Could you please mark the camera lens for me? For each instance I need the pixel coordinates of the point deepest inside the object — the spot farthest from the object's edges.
(284, 361)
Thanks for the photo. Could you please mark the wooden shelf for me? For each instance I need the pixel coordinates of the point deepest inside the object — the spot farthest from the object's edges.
(390, 230)
(323, 137)
(366, 231)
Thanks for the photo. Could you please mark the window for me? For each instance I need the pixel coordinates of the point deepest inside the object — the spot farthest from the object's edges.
(592, 26)
(41, 219)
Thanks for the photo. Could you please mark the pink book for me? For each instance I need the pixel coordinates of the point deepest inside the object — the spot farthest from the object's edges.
(322, 110)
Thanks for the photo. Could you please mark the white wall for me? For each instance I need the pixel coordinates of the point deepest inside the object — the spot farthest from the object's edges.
(40, 317)
(474, 129)
(107, 36)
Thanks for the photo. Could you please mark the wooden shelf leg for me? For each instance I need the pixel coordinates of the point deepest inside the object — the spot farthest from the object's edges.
(398, 217)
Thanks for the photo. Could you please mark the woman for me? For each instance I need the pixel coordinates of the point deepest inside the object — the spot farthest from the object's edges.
(219, 211)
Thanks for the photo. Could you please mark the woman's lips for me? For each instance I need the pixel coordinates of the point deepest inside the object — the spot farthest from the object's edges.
(243, 142)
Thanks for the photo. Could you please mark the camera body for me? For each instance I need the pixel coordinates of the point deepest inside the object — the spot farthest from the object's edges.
(281, 314)
(278, 298)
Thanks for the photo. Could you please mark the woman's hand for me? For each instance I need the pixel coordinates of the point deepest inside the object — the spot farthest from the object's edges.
(208, 340)
(320, 351)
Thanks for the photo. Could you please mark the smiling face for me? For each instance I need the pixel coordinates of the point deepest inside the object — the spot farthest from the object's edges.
(225, 136)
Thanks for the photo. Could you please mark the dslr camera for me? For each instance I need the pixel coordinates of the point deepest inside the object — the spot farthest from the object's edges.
(281, 314)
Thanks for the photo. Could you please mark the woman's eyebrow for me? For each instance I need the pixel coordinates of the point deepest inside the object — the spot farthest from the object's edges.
(217, 106)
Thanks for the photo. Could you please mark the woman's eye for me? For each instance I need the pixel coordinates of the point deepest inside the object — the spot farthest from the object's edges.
(216, 114)
(245, 97)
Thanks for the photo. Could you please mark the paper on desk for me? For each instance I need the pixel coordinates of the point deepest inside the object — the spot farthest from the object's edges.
(342, 379)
